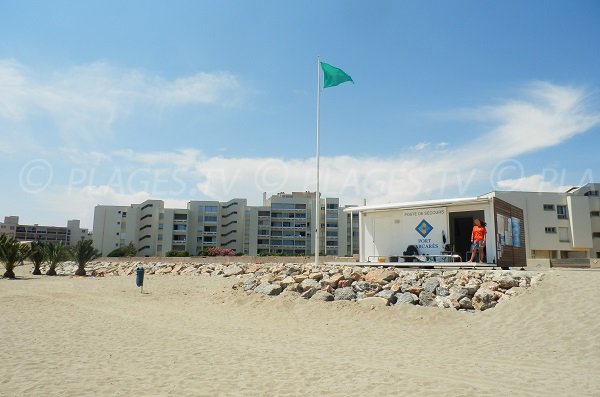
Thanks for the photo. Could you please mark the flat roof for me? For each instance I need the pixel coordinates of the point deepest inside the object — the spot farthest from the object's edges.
(418, 204)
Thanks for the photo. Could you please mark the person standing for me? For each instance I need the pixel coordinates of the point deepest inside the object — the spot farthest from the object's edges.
(478, 235)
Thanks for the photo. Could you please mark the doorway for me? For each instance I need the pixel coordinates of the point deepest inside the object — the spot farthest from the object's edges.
(461, 225)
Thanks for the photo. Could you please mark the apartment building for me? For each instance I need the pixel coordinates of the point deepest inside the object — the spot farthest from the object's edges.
(561, 225)
(68, 235)
(154, 230)
(282, 225)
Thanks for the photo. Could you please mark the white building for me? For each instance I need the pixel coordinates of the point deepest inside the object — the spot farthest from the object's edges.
(68, 235)
(522, 226)
(282, 225)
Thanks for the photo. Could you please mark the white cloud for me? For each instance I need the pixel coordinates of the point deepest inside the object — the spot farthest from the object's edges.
(531, 183)
(86, 100)
(547, 115)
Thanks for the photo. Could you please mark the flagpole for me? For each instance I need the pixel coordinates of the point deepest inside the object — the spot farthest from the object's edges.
(317, 194)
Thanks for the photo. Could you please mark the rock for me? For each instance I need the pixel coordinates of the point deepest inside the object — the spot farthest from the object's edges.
(536, 279)
(345, 283)
(427, 298)
(457, 293)
(465, 303)
(232, 270)
(334, 280)
(406, 297)
(484, 299)
(287, 281)
(322, 296)
(366, 287)
(373, 302)
(356, 276)
(472, 286)
(164, 270)
(308, 293)
(431, 284)
(414, 289)
(491, 285)
(506, 281)
(395, 287)
(293, 287)
(268, 289)
(315, 276)
(300, 278)
(346, 293)
(442, 291)
(380, 276)
(308, 284)
(387, 294)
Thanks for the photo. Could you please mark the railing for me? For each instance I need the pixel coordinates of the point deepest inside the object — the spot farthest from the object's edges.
(229, 205)
(229, 242)
(230, 223)
(228, 215)
(144, 237)
(228, 233)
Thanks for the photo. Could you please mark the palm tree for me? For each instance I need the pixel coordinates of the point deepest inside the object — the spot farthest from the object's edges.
(55, 254)
(83, 252)
(37, 255)
(12, 254)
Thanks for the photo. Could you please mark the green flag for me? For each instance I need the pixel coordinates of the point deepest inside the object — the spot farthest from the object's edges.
(333, 76)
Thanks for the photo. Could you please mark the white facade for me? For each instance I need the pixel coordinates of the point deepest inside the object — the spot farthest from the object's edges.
(68, 235)
(282, 225)
(560, 225)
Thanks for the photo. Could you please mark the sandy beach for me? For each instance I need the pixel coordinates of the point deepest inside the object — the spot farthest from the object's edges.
(196, 336)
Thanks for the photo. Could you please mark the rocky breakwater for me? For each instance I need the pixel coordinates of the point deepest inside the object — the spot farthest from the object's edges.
(468, 290)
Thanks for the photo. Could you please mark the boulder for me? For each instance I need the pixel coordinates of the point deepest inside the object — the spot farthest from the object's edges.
(316, 276)
(366, 287)
(380, 276)
(300, 278)
(232, 270)
(334, 280)
(308, 284)
(466, 303)
(164, 270)
(268, 289)
(427, 298)
(346, 293)
(484, 299)
(308, 293)
(345, 283)
(414, 289)
(322, 296)
(431, 284)
(442, 291)
(491, 285)
(387, 294)
(506, 281)
(287, 281)
(406, 297)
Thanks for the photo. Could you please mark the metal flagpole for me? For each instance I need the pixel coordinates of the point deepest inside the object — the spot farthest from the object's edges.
(317, 194)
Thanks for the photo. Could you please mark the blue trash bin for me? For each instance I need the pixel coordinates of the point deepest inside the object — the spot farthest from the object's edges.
(139, 276)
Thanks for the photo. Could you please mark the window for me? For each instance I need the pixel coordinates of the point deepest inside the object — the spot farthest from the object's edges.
(159, 248)
(591, 193)
(331, 233)
(561, 211)
(161, 226)
(118, 223)
(332, 206)
(548, 207)
(117, 233)
(210, 218)
(160, 237)
(563, 234)
(595, 213)
(550, 230)
(211, 208)
(596, 235)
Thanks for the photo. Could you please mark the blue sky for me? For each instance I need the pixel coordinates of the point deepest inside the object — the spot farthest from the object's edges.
(114, 102)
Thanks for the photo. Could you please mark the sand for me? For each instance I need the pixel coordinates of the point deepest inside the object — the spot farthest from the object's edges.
(195, 336)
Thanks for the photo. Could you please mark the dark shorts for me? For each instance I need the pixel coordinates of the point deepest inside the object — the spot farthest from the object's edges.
(477, 244)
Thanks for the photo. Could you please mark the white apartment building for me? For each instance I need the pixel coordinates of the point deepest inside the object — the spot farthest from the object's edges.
(68, 235)
(560, 225)
(282, 225)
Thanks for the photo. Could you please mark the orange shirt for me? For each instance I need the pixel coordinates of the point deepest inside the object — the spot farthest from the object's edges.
(478, 233)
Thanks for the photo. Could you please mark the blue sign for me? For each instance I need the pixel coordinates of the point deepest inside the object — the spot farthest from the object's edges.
(424, 228)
